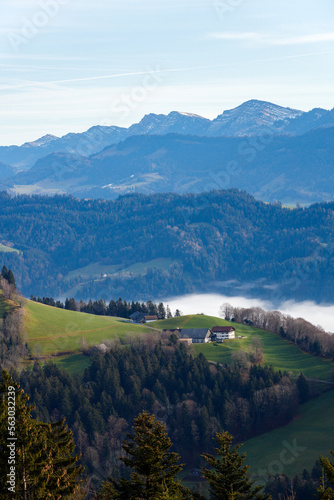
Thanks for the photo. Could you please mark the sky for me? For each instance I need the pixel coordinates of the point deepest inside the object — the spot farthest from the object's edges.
(67, 65)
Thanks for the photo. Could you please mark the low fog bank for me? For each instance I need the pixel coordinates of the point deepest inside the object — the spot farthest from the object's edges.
(322, 315)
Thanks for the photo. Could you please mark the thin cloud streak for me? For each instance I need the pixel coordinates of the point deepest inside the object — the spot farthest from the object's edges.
(270, 40)
(158, 71)
(236, 36)
(298, 40)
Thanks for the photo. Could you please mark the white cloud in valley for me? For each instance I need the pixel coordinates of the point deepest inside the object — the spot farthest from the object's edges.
(322, 315)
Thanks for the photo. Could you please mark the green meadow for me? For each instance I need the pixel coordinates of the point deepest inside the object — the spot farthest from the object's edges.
(277, 352)
(59, 334)
(5, 306)
(310, 435)
(75, 364)
(99, 268)
(52, 331)
(6, 249)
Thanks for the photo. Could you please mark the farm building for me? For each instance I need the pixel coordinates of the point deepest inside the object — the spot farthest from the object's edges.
(223, 332)
(190, 335)
(147, 319)
(137, 317)
(197, 335)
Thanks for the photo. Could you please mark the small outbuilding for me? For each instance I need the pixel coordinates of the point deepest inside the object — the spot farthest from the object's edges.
(147, 319)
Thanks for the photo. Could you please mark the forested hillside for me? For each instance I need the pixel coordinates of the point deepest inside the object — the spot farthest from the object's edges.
(195, 398)
(142, 246)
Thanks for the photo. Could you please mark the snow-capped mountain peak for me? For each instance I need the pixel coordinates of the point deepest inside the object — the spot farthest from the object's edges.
(251, 117)
(42, 141)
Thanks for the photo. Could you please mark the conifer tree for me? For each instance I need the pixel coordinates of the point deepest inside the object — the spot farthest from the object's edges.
(10, 278)
(154, 467)
(63, 477)
(161, 311)
(4, 272)
(227, 477)
(325, 491)
(45, 467)
(303, 388)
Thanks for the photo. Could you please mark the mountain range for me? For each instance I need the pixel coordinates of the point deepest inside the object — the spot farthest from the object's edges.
(275, 153)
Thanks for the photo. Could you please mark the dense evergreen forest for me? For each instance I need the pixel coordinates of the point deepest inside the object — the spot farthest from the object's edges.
(210, 237)
(195, 398)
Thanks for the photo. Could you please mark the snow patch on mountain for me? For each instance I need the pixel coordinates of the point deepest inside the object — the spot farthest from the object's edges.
(42, 141)
(251, 118)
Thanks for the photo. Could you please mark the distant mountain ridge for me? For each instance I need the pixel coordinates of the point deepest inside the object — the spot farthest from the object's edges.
(275, 153)
(253, 117)
(285, 168)
(83, 144)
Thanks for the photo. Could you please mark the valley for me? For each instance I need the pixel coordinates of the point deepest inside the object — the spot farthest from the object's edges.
(167, 250)
(167, 245)
(59, 336)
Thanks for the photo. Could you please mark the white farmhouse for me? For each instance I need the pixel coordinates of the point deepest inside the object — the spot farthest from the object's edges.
(223, 333)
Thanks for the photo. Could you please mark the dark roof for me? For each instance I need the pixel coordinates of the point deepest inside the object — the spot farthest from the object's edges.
(223, 329)
(137, 316)
(194, 333)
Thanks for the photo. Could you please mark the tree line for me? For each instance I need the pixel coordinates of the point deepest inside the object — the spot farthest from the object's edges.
(119, 308)
(310, 338)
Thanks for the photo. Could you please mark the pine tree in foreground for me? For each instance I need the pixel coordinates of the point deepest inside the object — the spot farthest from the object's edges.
(326, 492)
(44, 466)
(154, 466)
(227, 477)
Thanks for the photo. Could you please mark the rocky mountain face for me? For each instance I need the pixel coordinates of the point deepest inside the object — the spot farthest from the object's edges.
(252, 118)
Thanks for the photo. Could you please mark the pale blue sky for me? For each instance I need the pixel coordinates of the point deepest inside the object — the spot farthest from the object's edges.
(69, 64)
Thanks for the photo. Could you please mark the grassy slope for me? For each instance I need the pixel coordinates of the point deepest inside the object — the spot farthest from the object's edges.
(5, 306)
(277, 352)
(75, 364)
(6, 249)
(95, 270)
(51, 330)
(92, 271)
(312, 430)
